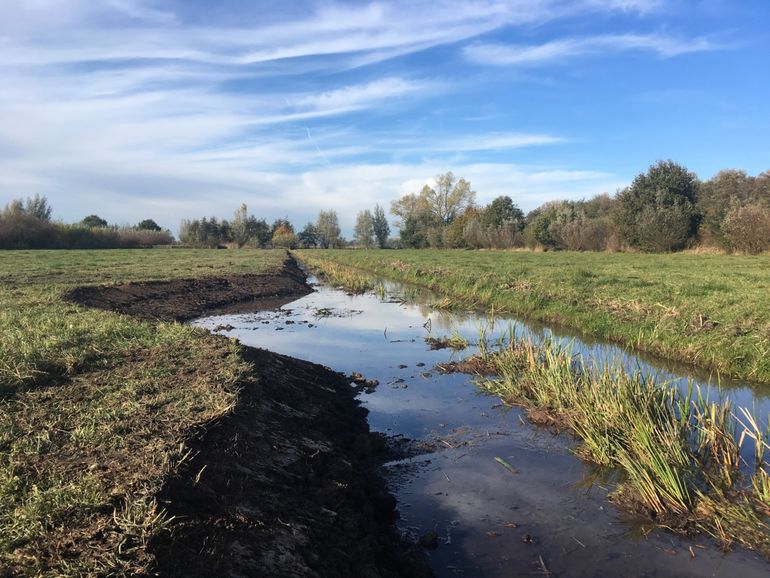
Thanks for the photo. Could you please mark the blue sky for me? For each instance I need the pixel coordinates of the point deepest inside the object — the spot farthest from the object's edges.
(137, 109)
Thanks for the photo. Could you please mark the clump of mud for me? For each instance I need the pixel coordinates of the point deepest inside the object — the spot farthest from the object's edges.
(474, 365)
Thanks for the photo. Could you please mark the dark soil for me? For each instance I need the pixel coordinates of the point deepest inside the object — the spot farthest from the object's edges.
(185, 299)
(287, 484)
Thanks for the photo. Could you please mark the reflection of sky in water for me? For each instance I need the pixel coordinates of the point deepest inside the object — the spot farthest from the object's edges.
(362, 333)
(461, 491)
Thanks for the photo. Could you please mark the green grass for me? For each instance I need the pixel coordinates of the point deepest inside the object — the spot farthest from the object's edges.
(95, 407)
(711, 311)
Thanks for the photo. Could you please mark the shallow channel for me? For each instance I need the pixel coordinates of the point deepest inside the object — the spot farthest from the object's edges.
(547, 517)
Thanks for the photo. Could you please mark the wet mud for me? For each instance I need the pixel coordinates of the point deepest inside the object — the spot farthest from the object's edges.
(286, 486)
(185, 299)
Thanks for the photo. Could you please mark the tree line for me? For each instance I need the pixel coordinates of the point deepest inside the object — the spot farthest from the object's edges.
(27, 224)
(667, 208)
(664, 209)
(246, 230)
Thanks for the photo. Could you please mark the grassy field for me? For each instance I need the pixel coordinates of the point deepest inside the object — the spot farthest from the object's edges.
(712, 311)
(95, 407)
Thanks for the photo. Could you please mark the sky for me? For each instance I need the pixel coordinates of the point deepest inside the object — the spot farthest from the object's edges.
(171, 109)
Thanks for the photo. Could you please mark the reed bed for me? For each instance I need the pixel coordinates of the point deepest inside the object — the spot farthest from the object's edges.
(677, 454)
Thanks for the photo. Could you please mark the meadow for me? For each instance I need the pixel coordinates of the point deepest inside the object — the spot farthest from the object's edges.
(677, 458)
(96, 407)
(711, 311)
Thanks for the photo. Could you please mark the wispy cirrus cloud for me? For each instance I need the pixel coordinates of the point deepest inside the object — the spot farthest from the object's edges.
(183, 109)
(567, 48)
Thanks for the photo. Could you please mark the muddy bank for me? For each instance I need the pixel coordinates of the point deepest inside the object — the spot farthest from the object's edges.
(287, 485)
(185, 299)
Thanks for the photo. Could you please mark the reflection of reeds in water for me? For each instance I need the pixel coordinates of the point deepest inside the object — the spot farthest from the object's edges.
(677, 454)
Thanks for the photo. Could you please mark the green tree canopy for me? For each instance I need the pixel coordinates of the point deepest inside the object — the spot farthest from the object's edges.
(308, 236)
(380, 226)
(94, 222)
(364, 229)
(502, 211)
(328, 227)
(659, 203)
(148, 225)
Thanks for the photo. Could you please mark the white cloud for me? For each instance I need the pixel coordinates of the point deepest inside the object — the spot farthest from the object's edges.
(563, 49)
(127, 107)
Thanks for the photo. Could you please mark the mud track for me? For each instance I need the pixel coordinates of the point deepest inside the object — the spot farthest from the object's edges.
(287, 484)
(185, 299)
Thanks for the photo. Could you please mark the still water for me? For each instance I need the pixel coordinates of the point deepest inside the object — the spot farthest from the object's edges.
(547, 517)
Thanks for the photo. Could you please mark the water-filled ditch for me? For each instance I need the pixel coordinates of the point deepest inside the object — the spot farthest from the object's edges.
(504, 497)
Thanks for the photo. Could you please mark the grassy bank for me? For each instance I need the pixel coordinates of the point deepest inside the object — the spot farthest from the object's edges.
(96, 408)
(677, 456)
(711, 311)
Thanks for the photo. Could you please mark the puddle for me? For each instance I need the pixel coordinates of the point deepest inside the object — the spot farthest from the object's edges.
(505, 498)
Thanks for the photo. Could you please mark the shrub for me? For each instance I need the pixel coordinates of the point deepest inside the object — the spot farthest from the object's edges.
(656, 212)
(747, 228)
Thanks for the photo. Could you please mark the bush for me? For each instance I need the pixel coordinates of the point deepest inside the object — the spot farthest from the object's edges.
(656, 213)
(26, 231)
(661, 228)
(747, 228)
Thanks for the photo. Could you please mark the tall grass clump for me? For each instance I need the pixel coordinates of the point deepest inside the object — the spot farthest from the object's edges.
(677, 454)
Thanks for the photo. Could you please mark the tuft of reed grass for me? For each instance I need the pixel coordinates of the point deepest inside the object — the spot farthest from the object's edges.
(678, 454)
(455, 342)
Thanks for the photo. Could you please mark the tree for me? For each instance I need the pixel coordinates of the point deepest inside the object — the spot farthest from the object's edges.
(450, 197)
(424, 217)
(364, 229)
(501, 211)
(282, 223)
(380, 226)
(38, 207)
(411, 206)
(148, 225)
(283, 236)
(665, 194)
(414, 231)
(308, 237)
(205, 232)
(94, 222)
(248, 230)
(328, 229)
(747, 228)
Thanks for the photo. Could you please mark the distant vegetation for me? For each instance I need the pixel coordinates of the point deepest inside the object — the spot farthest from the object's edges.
(667, 208)
(246, 230)
(28, 225)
